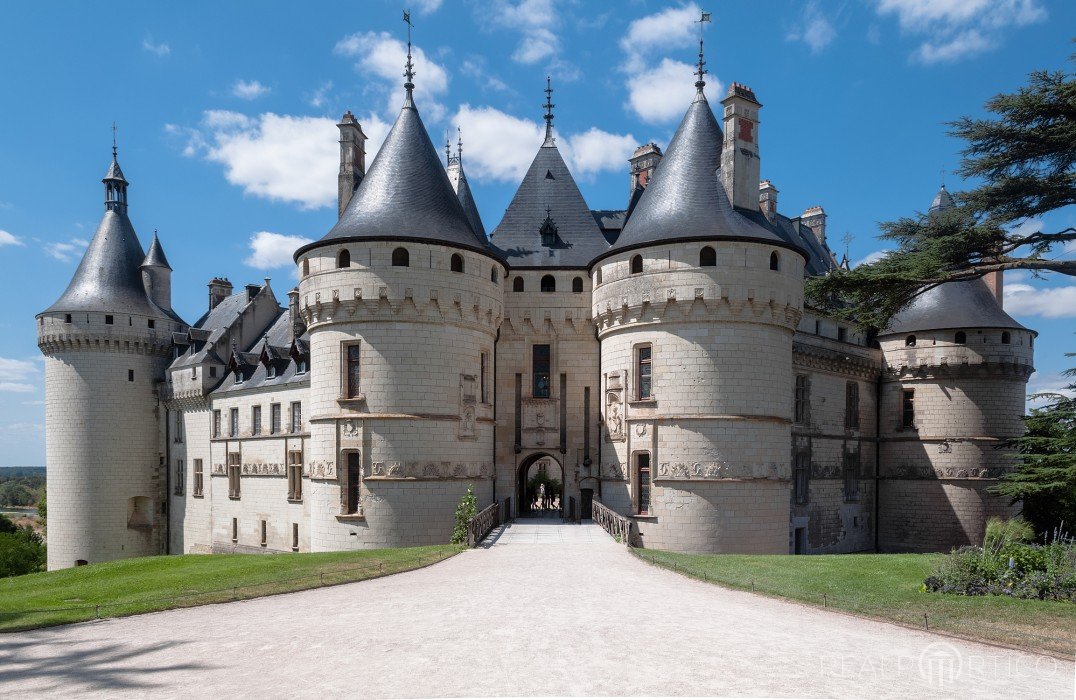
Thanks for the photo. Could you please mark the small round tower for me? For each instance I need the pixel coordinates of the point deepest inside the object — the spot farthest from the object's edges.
(696, 305)
(106, 341)
(953, 388)
(402, 300)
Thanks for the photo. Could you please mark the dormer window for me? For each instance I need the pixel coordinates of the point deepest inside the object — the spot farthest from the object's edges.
(270, 371)
(548, 231)
(302, 367)
(238, 376)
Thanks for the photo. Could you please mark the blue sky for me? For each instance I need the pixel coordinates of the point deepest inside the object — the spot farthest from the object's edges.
(226, 123)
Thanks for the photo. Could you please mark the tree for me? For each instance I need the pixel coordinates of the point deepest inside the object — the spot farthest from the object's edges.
(1025, 158)
(465, 512)
(16, 493)
(22, 550)
(42, 512)
(1045, 479)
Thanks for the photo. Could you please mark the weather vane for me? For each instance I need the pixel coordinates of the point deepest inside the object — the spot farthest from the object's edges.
(459, 144)
(548, 110)
(409, 70)
(700, 83)
(113, 140)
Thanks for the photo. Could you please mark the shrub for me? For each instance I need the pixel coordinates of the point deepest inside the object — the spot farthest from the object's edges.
(21, 552)
(465, 512)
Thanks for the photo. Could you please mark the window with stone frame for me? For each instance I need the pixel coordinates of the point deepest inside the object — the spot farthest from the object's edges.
(234, 471)
(803, 399)
(216, 422)
(907, 408)
(255, 420)
(233, 422)
(851, 476)
(642, 483)
(274, 418)
(295, 475)
(541, 361)
(199, 479)
(350, 488)
(352, 358)
(296, 417)
(181, 478)
(801, 476)
(851, 405)
(644, 372)
(484, 378)
(179, 427)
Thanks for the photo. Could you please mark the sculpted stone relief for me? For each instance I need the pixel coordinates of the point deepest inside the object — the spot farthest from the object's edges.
(468, 400)
(703, 471)
(321, 469)
(928, 472)
(264, 469)
(349, 430)
(614, 407)
(429, 470)
(540, 421)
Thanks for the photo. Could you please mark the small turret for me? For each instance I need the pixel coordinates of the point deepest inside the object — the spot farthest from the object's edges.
(157, 275)
(352, 159)
(740, 165)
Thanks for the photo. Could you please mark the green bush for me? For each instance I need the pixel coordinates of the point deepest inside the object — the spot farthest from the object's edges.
(465, 512)
(22, 550)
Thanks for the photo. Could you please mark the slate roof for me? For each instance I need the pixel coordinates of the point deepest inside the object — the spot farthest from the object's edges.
(405, 195)
(114, 172)
(155, 256)
(819, 257)
(942, 201)
(685, 199)
(210, 328)
(458, 178)
(276, 344)
(968, 304)
(611, 222)
(548, 185)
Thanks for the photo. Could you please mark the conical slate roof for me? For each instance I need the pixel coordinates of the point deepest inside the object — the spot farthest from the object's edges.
(685, 199)
(114, 172)
(155, 257)
(108, 279)
(942, 201)
(458, 179)
(548, 189)
(405, 195)
(967, 304)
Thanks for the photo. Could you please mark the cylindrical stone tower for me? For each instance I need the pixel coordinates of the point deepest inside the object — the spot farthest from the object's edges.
(402, 300)
(106, 346)
(696, 306)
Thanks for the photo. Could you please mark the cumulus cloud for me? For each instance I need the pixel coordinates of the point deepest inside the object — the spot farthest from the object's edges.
(956, 29)
(426, 7)
(1024, 299)
(475, 67)
(382, 56)
(664, 92)
(66, 251)
(270, 250)
(278, 157)
(534, 20)
(9, 239)
(161, 49)
(14, 375)
(319, 97)
(249, 89)
(671, 28)
(813, 29)
(1053, 383)
(17, 387)
(595, 150)
(873, 257)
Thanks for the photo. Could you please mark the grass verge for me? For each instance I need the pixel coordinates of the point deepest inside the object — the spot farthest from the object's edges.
(150, 584)
(885, 586)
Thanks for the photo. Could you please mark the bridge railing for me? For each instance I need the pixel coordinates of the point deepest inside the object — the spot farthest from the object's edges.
(612, 522)
(481, 524)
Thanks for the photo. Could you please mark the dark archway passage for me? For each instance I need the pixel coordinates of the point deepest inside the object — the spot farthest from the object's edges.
(539, 486)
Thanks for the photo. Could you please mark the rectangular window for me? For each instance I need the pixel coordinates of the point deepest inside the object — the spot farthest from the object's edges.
(801, 476)
(296, 417)
(354, 473)
(295, 475)
(67, 318)
(851, 476)
(179, 427)
(851, 405)
(152, 323)
(213, 372)
(274, 418)
(485, 370)
(194, 372)
(642, 482)
(233, 422)
(235, 529)
(353, 354)
(644, 372)
(199, 478)
(109, 320)
(216, 422)
(181, 478)
(130, 375)
(256, 420)
(233, 475)
(265, 533)
(842, 334)
(295, 537)
(907, 408)
(540, 362)
(803, 399)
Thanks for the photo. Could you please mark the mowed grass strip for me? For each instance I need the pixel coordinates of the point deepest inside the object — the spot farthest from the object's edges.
(149, 584)
(885, 586)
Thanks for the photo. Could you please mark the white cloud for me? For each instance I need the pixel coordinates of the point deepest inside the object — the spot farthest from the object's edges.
(955, 29)
(66, 251)
(475, 67)
(426, 7)
(1027, 227)
(9, 239)
(382, 56)
(873, 257)
(279, 157)
(538, 44)
(534, 20)
(1049, 302)
(15, 370)
(17, 387)
(319, 97)
(595, 150)
(161, 49)
(249, 89)
(813, 29)
(1055, 383)
(270, 250)
(663, 93)
(674, 27)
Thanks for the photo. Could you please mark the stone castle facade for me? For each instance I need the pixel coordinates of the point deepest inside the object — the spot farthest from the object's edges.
(658, 358)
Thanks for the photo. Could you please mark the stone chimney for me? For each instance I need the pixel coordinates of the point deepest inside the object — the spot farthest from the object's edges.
(252, 291)
(740, 165)
(298, 327)
(996, 282)
(642, 164)
(352, 159)
(815, 219)
(219, 290)
(767, 199)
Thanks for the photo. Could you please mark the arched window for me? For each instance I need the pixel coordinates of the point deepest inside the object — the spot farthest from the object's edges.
(577, 285)
(343, 259)
(598, 277)
(961, 338)
(493, 277)
(707, 257)
(1006, 337)
(909, 342)
(401, 258)
(636, 264)
(517, 284)
(549, 283)
(456, 262)
(306, 267)
(775, 261)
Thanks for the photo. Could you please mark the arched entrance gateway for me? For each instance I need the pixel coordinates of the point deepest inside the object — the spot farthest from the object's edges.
(540, 486)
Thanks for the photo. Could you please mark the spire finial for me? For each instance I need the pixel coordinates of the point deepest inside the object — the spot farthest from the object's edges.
(448, 149)
(409, 67)
(700, 82)
(113, 140)
(548, 111)
(459, 144)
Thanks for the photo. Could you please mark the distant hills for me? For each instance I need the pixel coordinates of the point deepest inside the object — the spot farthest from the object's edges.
(15, 472)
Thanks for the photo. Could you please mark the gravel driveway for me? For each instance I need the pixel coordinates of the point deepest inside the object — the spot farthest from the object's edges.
(546, 609)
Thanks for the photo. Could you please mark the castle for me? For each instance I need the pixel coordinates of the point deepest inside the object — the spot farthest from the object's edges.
(658, 358)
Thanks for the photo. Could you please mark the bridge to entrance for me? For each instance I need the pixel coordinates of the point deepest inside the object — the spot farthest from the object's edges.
(548, 530)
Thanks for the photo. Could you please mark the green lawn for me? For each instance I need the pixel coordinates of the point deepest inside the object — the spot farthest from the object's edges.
(885, 586)
(148, 584)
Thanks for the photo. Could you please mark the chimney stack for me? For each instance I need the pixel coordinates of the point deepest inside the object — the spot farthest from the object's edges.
(298, 327)
(814, 218)
(352, 159)
(219, 290)
(996, 282)
(740, 165)
(767, 198)
(642, 164)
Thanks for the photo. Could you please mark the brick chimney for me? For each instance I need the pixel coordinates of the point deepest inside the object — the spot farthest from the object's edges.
(740, 165)
(642, 164)
(815, 219)
(298, 327)
(352, 159)
(767, 198)
(996, 282)
(219, 290)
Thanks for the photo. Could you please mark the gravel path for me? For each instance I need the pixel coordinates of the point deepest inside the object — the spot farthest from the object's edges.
(546, 609)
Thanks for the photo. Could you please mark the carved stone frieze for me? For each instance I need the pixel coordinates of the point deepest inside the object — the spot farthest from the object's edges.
(321, 469)
(429, 470)
(264, 469)
(715, 471)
